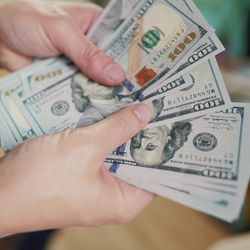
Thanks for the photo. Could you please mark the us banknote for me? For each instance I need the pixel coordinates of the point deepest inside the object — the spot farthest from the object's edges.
(14, 119)
(202, 91)
(185, 153)
(210, 146)
(40, 77)
(223, 204)
(14, 123)
(7, 139)
(118, 11)
(156, 46)
(203, 158)
(223, 207)
(226, 148)
(50, 109)
(203, 50)
(111, 19)
(206, 93)
(89, 101)
(104, 30)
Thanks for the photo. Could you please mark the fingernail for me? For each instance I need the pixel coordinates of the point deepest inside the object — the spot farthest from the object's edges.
(114, 73)
(143, 112)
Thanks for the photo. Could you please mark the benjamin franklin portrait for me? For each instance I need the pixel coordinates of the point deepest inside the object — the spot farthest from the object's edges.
(155, 146)
(119, 10)
(96, 101)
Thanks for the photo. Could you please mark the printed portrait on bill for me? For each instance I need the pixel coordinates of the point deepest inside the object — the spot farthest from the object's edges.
(153, 147)
(96, 101)
(112, 21)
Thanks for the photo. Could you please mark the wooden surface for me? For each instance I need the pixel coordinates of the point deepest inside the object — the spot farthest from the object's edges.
(241, 242)
(163, 225)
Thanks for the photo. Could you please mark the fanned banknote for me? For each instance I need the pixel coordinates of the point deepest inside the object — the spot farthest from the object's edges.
(194, 148)
(14, 124)
(86, 102)
(156, 46)
(204, 157)
(206, 93)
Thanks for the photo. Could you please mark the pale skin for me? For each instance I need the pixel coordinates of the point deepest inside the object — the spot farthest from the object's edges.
(59, 180)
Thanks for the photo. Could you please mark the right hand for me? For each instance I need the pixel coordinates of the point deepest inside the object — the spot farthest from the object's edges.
(59, 180)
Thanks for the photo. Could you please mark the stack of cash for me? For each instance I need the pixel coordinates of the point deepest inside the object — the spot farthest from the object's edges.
(194, 150)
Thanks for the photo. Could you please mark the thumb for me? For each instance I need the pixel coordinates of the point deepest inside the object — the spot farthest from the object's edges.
(67, 38)
(120, 127)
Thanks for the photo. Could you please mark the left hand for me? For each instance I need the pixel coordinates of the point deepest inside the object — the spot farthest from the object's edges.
(46, 29)
(59, 180)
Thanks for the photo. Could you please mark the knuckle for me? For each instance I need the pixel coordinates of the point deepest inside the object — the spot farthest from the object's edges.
(124, 217)
(53, 11)
(62, 20)
(92, 56)
(56, 18)
(123, 125)
(56, 27)
(124, 209)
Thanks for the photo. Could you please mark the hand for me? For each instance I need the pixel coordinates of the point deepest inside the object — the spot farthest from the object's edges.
(44, 29)
(59, 180)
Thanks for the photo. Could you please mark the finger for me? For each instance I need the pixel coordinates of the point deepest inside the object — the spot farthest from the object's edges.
(84, 14)
(120, 127)
(68, 39)
(133, 200)
(125, 201)
(11, 60)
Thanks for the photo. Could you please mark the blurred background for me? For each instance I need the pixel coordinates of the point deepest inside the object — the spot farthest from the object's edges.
(165, 224)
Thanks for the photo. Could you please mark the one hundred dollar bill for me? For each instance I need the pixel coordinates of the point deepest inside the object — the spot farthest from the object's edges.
(16, 126)
(111, 19)
(85, 101)
(208, 153)
(117, 13)
(38, 78)
(220, 205)
(202, 51)
(3, 143)
(211, 147)
(7, 138)
(205, 93)
(90, 100)
(50, 109)
(156, 45)
(202, 91)
(10, 110)
(104, 29)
